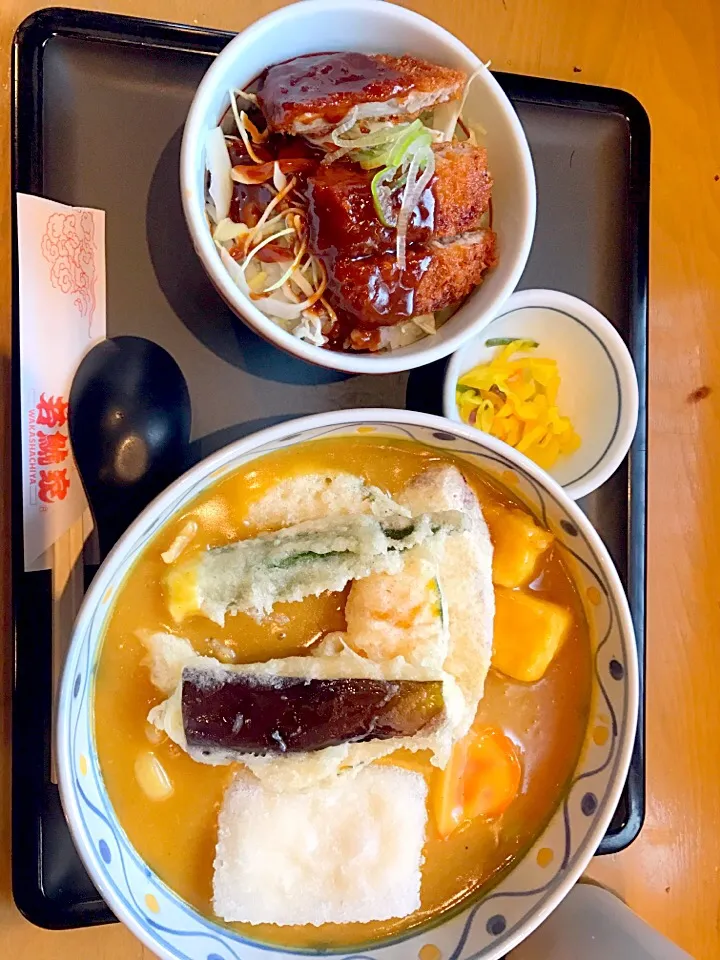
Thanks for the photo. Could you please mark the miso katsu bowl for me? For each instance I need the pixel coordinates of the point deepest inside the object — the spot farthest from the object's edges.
(362, 683)
(357, 185)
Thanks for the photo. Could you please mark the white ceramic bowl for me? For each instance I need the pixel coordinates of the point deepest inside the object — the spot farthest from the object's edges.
(371, 26)
(599, 389)
(484, 929)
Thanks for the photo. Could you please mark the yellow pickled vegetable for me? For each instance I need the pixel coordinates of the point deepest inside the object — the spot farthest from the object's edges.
(515, 399)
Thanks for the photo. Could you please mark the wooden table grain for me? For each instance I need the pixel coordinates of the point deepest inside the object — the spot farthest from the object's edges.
(667, 53)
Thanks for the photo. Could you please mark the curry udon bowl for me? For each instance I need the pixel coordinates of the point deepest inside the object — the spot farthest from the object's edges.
(370, 26)
(485, 925)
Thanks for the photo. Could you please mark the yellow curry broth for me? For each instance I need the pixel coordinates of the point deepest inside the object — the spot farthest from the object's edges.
(177, 836)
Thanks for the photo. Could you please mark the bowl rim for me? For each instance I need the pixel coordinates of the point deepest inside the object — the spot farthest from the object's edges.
(209, 470)
(393, 361)
(598, 324)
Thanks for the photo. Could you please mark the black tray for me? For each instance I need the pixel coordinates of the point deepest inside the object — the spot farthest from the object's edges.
(98, 107)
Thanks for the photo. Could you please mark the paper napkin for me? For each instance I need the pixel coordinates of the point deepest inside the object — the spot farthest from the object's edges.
(61, 257)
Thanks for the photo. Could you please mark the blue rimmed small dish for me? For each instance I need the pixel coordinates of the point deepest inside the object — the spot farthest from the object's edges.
(599, 389)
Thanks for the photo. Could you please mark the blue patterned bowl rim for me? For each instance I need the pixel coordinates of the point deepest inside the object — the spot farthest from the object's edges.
(488, 927)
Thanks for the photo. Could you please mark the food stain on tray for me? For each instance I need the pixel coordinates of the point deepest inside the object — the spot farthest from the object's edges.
(701, 393)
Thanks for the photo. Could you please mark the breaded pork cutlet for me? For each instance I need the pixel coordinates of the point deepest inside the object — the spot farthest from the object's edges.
(377, 293)
(342, 217)
(311, 95)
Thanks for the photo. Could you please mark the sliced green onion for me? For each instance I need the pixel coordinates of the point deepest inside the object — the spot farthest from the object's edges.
(382, 191)
(388, 133)
(421, 159)
(412, 138)
(385, 147)
(504, 341)
(376, 149)
(393, 153)
(409, 165)
(372, 159)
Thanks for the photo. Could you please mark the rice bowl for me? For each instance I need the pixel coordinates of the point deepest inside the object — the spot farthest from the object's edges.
(303, 29)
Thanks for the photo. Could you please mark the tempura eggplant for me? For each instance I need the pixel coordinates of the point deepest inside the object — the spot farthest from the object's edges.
(242, 713)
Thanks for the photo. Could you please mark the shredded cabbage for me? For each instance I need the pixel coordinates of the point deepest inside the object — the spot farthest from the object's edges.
(426, 322)
(406, 333)
(264, 243)
(279, 178)
(346, 124)
(300, 280)
(446, 115)
(227, 230)
(310, 330)
(237, 274)
(217, 162)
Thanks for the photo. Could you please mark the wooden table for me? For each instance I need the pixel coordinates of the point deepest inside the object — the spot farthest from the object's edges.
(666, 52)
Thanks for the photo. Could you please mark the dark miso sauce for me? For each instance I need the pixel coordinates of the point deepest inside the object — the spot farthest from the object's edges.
(372, 292)
(296, 157)
(366, 289)
(326, 84)
(343, 220)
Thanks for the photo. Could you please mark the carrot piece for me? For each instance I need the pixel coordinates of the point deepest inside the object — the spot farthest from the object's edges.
(492, 774)
(481, 780)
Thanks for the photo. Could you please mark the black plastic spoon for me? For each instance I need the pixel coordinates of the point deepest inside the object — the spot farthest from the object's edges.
(129, 418)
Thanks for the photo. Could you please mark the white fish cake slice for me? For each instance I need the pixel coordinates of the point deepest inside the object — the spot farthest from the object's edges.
(346, 850)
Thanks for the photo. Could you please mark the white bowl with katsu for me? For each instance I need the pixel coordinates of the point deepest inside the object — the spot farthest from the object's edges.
(363, 683)
(357, 185)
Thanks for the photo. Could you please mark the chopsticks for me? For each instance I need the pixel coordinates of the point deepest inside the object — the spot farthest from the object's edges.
(68, 589)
